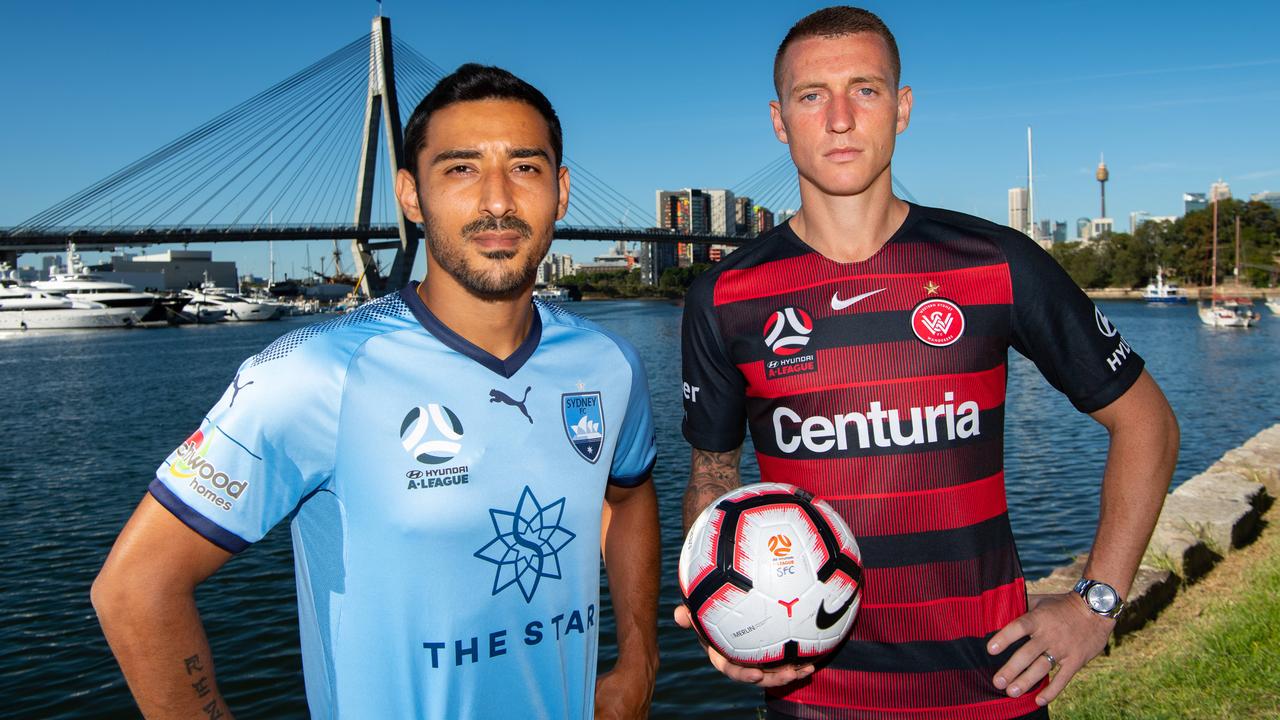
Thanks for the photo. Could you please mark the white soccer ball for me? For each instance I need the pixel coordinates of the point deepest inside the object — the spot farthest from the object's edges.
(771, 576)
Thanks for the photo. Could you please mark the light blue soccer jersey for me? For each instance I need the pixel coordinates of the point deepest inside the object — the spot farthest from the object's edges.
(445, 504)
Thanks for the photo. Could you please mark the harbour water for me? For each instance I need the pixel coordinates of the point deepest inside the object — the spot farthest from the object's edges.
(88, 415)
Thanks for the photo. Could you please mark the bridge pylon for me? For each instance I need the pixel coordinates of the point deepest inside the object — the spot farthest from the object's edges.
(381, 109)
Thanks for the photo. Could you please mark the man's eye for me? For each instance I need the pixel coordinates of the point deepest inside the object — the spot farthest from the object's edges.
(866, 92)
(809, 97)
(459, 170)
(526, 168)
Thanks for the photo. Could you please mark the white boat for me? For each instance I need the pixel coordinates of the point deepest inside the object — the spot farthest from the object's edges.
(1162, 292)
(207, 301)
(1224, 313)
(551, 293)
(1228, 314)
(1274, 304)
(26, 308)
(76, 282)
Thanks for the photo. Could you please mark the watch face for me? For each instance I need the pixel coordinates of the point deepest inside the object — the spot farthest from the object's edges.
(1101, 598)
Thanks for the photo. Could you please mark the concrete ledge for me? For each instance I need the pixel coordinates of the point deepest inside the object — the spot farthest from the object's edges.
(1206, 517)
(1258, 460)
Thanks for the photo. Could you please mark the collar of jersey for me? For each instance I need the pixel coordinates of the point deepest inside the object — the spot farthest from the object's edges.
(454, 341)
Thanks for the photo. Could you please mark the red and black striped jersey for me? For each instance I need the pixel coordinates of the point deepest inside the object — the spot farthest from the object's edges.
(880, 387)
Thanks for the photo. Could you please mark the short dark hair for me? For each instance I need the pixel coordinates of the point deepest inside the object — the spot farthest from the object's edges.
(832, 22)
(476, 82)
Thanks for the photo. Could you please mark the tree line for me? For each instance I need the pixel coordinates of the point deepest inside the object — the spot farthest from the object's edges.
(1183, 247)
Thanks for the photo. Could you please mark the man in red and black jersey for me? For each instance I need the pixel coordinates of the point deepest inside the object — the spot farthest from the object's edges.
(864, 343)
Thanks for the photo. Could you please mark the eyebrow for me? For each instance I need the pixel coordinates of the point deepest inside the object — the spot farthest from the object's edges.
(514, 153)
(856, 80)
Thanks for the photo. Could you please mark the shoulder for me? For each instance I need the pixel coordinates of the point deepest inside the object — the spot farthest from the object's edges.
(586, 336)
(769, 246)
(334, 342)
(949, 225)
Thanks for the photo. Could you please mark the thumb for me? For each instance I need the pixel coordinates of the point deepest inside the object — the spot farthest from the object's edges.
(682, 616)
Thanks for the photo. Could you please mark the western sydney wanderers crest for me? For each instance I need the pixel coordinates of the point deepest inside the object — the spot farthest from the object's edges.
(937, 322)
(584, 423)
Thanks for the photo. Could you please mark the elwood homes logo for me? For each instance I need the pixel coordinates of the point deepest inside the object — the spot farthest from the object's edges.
(193, 465)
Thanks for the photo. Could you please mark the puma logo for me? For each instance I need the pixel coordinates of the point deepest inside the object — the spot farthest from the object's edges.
(499, 396)
(237, 387)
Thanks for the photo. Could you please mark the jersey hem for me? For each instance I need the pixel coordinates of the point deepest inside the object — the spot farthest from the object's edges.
(202, 525)
(1112, 390)
(711, 443)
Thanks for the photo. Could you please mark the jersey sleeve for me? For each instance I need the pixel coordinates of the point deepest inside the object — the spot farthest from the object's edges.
(636, 451)
(714, 389)
(1056, 326)
(267, 443)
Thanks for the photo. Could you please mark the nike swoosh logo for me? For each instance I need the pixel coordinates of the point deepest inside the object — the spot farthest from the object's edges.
(838, 304)
(825, 619)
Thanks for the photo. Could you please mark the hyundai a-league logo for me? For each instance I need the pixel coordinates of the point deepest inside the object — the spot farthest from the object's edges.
(527, 544)
(786, 331)
(432, 434)
(584, 423)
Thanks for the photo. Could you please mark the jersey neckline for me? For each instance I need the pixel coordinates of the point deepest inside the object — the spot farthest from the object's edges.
(914, 214)
(432, 324)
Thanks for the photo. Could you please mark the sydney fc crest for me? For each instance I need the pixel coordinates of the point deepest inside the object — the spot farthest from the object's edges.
(584, 423)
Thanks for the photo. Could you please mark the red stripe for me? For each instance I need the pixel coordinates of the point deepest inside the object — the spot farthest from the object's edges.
(942, 619)
(979, 285)
(922, 510)
(855, 695)
(934, 581)
(880, 473)
(865, 366)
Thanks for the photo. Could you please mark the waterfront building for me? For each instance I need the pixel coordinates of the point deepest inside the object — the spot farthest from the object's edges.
(1219, 191)
(1191, 202)
(617, 260)
(1018, 218)
(1268, 197)
(655, 258)
(1099, 227)
(171, 270)
(721, 212)
(1082, 228)
(1059, 231)
(1142, 217)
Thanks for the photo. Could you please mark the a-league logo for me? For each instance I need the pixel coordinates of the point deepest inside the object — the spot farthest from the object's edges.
(787, 330)
(432, 435)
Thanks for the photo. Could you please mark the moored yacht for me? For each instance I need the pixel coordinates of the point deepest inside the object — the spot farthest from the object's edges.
(1160, 291)
(27, 308)
(234, 305)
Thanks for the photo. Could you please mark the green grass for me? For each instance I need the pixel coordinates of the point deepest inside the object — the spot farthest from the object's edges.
(1215, 653)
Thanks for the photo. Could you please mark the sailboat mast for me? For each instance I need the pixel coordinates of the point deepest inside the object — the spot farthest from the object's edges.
(1213, 269)
(1237, 270)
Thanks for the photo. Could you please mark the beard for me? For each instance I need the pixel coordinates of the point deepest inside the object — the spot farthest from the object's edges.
(506, 277)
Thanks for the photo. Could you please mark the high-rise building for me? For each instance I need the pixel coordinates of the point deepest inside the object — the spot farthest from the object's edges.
(743, 217)
(764, 219)
(1099, 227)
(721, 212)
(1270, 198)
(1219, 191)
(1192, 202)
(1059, 231)
(1018, 219)
(1082, 228)
(784, 216)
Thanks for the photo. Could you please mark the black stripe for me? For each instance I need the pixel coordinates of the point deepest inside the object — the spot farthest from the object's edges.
(982, 322)
(990, 421)
(937, 546)
(922, 656)
(202, 525)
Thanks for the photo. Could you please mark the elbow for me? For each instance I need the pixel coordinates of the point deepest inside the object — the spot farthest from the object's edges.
(108, 595)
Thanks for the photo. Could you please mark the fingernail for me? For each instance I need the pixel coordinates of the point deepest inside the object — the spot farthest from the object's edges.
(993, 648)
(1015, 691)
(1041, 701)
(1000, 682)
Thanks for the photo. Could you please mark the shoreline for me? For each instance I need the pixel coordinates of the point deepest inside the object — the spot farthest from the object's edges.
(1190, 293)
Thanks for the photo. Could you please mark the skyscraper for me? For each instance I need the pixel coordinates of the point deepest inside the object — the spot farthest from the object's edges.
(743, 217)
(1192, 202)
(1219, 191)
(1270, 198)
(1018, 218)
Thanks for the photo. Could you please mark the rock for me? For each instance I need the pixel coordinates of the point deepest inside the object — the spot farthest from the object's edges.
(1222, 524)
(1258, 460)
(1180, 551)
(1152, 591)
(1225, 485)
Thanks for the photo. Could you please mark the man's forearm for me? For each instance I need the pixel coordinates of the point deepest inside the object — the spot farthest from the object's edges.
(1140, 463)
(711, 475)
(162, 649)
(632, 556)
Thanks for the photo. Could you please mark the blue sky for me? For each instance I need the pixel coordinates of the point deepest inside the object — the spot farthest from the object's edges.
(1177, 94)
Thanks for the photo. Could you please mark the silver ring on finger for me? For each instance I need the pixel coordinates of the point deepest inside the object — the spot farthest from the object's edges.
(1053, 661)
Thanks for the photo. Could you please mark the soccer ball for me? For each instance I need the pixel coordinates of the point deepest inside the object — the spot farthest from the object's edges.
(771, 576)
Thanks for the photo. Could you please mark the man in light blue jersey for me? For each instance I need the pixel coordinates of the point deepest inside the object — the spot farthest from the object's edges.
(450, 455)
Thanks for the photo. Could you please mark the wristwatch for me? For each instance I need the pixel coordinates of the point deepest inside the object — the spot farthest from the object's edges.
(1099, 597)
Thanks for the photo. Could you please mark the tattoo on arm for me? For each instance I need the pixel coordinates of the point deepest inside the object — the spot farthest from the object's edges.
(711, 475)
(213, 708)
